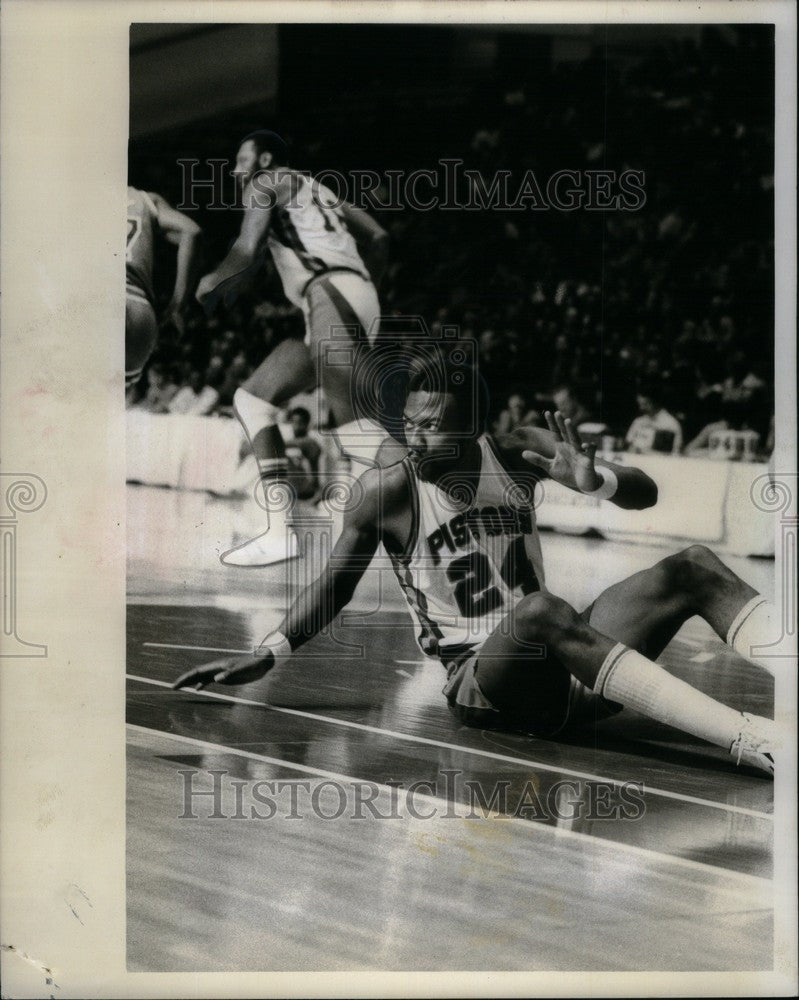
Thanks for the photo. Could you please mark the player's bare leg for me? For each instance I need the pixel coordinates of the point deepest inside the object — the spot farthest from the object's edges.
(285, 372)
(343, 319)
(523, 667)
(646, 610)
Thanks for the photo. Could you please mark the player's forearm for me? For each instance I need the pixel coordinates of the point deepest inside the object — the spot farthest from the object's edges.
(186, 267)
(318, 605)
(233, 268)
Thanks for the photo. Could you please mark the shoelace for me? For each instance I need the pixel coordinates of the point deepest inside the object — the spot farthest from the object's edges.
(739, 744)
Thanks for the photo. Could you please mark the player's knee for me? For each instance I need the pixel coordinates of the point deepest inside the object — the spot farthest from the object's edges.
(543, 617)
(691, 570)
(699, 555)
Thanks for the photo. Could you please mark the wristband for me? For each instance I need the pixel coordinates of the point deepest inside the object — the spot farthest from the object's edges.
(278, 645)
(607, 488)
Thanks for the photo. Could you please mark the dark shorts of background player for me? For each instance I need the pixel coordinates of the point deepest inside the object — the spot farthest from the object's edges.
(141, 332)
(577, 708)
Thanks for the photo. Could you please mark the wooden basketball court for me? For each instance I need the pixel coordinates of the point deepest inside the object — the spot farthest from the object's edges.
(569, 866)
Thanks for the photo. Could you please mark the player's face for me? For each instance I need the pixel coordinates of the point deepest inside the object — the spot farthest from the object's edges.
(433, 432)
(246, 163)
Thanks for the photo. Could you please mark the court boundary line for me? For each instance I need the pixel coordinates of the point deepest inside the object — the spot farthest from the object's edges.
(475, 751)
(752, 881)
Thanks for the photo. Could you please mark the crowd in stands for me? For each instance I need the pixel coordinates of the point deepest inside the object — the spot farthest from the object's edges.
(655, 327)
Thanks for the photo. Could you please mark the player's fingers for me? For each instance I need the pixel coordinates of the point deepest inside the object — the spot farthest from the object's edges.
(551, 424)
(562, 428)
(535, 459)
(571, 434)
(190, 677)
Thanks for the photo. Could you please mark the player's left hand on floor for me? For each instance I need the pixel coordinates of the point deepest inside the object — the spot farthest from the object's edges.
(215, 672)
(227, 670)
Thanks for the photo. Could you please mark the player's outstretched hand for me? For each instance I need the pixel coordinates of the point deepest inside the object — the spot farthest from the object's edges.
(207, 294)
(573, 462)
(228, 670)
(174, 316)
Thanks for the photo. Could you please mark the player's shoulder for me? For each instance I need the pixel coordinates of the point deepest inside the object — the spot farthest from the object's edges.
(153, 201)
(270, 188)
(388, 480)
(387, 501)
(384, 489)
(390, 453)
(141, 198)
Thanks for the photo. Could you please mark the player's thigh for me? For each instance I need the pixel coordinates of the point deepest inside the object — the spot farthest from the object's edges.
(286, 371)
(644, 611)
(342, 306)
(335, 337)
(141, 332)
(524, 681)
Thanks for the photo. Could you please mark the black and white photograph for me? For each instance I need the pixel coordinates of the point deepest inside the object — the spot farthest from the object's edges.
(455, 516)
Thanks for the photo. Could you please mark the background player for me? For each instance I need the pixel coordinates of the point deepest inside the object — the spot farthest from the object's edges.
(149, 214)
(457, 519)
(329, 256)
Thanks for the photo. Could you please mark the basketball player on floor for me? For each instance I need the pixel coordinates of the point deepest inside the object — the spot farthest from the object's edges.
(456, 518)
(150, 215)
(329, 257)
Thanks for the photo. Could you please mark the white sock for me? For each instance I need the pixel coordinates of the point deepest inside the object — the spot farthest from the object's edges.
(277, 500)
(752, 629)
(253, 412)
(360, 439)
(255, 415)
(634, 681)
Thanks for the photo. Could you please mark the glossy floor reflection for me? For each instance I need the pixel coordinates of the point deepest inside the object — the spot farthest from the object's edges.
(633, 847)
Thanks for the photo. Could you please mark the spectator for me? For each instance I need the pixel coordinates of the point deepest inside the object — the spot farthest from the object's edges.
(197, 398)
(680, 285)
(656, 429)
(160, 389)
(237, 372)
(567, 401)
(724, 416)
(516, 415)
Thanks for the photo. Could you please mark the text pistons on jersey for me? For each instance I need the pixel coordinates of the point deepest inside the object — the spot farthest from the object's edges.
(488, 521)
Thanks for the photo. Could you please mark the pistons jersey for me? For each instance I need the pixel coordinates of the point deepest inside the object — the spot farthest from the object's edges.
(142, 216)
(468, 564)
(308, 235)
